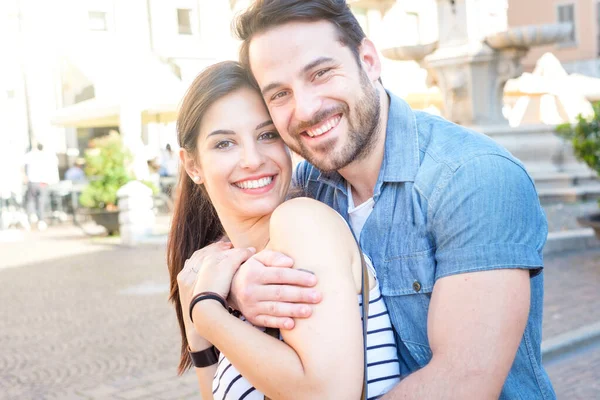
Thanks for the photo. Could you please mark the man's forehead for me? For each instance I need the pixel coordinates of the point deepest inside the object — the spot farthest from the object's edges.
(294, 44)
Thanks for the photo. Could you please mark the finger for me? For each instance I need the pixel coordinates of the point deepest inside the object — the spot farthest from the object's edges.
(289, 294)
(274, 322)
(279, 309)
(288, 276)
(235, 257)
(213, 248)
(272, 258)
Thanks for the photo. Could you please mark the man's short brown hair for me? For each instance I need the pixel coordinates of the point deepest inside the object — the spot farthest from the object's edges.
(265, 14)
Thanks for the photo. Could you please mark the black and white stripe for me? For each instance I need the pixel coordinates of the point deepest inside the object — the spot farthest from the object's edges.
(383, 369)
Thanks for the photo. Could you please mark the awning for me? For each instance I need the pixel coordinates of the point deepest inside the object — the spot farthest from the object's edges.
(96, 114)
(142, 80)
(88, 114)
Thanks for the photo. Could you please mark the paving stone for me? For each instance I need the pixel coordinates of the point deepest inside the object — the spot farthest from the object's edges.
(94, 322)
(577, 377)
(571, 292)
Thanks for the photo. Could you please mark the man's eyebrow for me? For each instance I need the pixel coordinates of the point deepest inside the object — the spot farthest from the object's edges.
(270, 87)
(221, 132)
(316, 63)
(307, 67)
(263, 124)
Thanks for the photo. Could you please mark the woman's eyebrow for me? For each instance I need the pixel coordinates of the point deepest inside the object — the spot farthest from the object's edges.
(221, 132)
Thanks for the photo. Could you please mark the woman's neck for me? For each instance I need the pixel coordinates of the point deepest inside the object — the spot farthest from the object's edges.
(247, 232)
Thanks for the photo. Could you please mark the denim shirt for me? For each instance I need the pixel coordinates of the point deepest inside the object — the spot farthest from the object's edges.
(447, 201)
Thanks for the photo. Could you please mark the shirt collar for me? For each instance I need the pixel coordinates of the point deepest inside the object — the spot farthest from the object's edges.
(401, 154)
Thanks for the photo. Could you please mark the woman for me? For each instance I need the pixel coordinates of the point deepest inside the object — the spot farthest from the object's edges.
(238, 173)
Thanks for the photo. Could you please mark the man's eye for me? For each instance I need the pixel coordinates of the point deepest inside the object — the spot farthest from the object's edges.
(223, 145)
(279, 95)
(269, 136)
(322, 72)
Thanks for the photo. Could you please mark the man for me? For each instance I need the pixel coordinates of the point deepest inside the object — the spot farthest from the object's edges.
(75, 173)
(41, 170)
(450, 220)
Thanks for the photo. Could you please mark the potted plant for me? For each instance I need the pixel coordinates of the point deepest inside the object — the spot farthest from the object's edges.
(107, 166)
(584, 135)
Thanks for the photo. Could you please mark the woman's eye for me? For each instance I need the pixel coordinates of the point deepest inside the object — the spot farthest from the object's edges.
(268, 136)
(223, 145)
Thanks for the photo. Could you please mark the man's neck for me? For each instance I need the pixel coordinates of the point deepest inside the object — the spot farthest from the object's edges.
(362, 174)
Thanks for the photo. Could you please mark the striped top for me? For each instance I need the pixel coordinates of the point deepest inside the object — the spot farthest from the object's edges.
(382, 359)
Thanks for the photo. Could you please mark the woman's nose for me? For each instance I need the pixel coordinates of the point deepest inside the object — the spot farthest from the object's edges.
(251, 158)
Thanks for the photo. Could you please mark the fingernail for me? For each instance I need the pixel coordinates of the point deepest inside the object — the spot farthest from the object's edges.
(284, 259)
(305, 270)
(252, 249)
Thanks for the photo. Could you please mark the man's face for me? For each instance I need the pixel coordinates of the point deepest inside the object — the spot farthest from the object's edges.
(324, 105)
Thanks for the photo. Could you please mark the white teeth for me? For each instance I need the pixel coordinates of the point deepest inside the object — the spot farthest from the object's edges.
(255, 184)
(324, 128)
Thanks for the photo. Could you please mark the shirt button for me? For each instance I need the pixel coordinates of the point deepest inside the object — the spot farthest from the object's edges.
(416, 286)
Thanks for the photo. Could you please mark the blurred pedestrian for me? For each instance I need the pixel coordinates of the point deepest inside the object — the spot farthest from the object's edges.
(41, 170)
(169, 164)
(75, 173)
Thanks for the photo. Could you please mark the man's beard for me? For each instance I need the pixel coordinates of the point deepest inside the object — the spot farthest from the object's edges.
(362, 131)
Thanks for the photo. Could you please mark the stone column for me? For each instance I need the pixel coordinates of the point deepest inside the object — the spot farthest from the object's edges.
(136, 217)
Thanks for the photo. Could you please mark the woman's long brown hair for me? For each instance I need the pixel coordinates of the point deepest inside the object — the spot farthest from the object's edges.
(195, 223)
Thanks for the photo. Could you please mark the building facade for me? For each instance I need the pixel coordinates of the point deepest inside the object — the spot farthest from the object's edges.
(101, 55)
(581, 53)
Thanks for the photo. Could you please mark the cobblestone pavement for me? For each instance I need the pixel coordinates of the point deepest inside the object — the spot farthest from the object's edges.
(89, 319)
(577, 377)
(571, 292)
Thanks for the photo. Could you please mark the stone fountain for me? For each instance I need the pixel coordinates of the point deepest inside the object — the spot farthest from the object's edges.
(474, 57)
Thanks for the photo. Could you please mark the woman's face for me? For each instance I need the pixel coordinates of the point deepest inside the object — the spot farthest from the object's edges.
(243, 162)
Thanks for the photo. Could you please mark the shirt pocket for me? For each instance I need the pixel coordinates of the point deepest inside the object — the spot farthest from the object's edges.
(406, 284)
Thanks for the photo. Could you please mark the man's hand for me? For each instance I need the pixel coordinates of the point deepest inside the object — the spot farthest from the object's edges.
(270, 293)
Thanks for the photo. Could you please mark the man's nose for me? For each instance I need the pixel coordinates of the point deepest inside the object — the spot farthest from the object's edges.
(307, 105)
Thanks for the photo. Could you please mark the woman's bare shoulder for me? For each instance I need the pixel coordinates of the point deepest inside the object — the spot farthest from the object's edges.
(304, 211)
(311, 232)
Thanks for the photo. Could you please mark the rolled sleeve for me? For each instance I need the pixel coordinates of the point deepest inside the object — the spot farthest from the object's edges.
(487, 216)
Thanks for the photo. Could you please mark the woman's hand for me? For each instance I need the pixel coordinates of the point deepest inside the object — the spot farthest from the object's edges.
(218, 269)
(186, 281)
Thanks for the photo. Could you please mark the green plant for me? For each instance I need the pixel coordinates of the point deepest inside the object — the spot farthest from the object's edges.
(584, 135)
(107, 166)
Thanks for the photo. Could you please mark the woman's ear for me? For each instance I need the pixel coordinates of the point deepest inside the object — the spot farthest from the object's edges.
(191, 166)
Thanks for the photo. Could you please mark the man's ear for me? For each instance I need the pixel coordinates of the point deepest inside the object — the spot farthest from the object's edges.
(369, 59)
(191, 166)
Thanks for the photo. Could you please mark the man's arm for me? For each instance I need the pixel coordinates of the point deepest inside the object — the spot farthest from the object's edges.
(475, 324)
(489, 231)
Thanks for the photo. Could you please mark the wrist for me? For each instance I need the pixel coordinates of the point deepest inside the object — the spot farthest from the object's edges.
(204, 313)
(197, 342)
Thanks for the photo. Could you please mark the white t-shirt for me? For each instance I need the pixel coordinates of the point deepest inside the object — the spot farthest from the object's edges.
(41, 167)
(358, 214)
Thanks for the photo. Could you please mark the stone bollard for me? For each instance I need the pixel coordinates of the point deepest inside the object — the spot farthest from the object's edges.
(136, 217)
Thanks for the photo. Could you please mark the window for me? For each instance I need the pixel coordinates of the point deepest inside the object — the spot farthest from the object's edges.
(566, 13)
(184, 21)
(97, 21)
